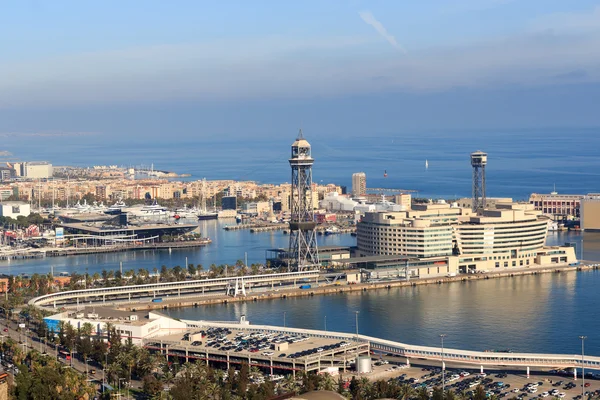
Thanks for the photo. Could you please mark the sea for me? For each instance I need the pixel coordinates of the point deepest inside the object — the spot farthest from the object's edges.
(519, 161)
(543, 313)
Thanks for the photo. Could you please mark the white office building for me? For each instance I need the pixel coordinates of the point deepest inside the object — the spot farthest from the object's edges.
(13, 209)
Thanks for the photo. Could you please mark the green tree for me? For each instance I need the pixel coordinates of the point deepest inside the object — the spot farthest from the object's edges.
(437, 394)
(479, 393)
(152, 386)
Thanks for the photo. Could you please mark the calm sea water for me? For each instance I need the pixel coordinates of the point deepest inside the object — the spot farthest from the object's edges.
(543, 313)
(539, 313)
(520, 162)
(226, 248)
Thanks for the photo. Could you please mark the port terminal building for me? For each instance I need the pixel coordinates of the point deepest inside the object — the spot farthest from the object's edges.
(441, 239)
(136, 326)
(108, 233)
(557, 206)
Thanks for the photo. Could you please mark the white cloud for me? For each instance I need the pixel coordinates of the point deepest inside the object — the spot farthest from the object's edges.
(284, 67)
(378, 26)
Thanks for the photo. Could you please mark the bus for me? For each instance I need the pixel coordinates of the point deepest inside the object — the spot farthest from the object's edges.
(64, 355)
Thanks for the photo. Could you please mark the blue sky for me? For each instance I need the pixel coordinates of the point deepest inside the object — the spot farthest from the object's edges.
(90, 58)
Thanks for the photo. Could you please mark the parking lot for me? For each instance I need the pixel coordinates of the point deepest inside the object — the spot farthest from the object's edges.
(264, 345)
(499, 383)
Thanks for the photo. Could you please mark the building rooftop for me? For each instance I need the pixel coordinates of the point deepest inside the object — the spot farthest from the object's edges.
(106, 314)
(96, 229)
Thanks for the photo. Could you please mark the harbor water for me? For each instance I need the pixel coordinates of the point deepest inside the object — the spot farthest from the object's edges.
(542, 313)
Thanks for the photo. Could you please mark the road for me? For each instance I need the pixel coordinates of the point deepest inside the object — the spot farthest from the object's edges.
(29, 340)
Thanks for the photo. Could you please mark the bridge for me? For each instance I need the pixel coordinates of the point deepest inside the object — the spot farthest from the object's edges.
(466, 358)
(135, 293)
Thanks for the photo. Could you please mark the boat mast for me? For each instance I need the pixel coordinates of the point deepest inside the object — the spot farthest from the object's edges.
(203, 194)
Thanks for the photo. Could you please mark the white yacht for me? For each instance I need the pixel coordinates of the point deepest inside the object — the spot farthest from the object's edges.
(186, 213)
(116, 208)
(152, 210)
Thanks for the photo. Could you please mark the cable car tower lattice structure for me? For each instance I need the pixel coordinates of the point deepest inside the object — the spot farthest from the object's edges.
(478, 162)
(303, 253)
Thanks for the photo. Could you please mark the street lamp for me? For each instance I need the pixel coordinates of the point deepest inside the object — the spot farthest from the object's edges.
(284, 319)
(582, 366)
(119, 386)
(104, 381)
(326, 323)
(442, 336)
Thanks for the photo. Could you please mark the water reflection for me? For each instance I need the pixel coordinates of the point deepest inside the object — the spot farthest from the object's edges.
(542, 313)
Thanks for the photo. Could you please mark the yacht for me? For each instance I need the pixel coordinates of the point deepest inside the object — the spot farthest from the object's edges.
(81, 208)
(332, 230)
(115, 208)
(185, 213)
(151, 210)
(205, 215)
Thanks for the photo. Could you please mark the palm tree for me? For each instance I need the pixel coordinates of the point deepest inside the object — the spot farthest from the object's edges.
(143, 273)
(50, 280)
(109, 277)
(213, 271)
(130, 274)
(422, 394)
(479, 393)
(164, 273)
(327, 383)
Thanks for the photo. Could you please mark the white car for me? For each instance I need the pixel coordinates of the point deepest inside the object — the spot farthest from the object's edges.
(532, 390)
(545, 394)
(464, 373)
(561, 395)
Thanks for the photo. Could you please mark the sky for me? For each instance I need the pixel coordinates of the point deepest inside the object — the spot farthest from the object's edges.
(143, 67)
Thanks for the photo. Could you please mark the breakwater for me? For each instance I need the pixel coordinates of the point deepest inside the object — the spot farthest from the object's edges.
(339, 289)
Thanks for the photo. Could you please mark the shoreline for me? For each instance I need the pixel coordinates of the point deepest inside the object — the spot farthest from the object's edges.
(339, 289)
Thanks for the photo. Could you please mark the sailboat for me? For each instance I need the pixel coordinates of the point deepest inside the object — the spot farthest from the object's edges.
(426, 164)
